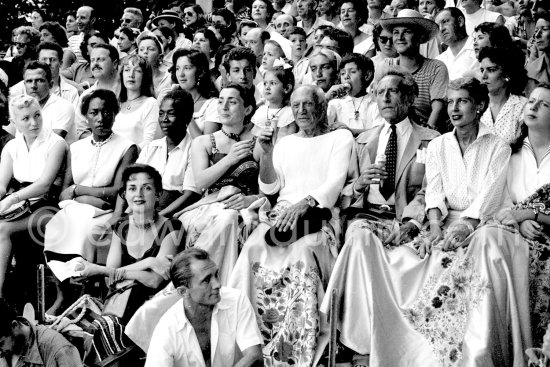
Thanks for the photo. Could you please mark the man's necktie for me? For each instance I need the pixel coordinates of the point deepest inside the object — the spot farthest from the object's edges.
(388, 185)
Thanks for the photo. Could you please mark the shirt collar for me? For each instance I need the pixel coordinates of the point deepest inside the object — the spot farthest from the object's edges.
(483, 130)
(401, 127)
(163, 143)
(183, 323)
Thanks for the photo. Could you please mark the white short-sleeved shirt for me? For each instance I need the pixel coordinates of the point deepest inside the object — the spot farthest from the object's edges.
(208, 112)
(283, 115)
(58, 113)
(464, 63)
(29, 164)
(94, 165)
(141, 124)
(174, 342)
(342, 110)
(173, 166)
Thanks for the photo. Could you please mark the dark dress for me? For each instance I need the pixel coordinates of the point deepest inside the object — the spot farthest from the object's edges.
(243, 175)
(141, 293)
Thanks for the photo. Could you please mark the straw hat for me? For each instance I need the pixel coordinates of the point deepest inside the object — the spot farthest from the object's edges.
(170, 16)
(412, 18)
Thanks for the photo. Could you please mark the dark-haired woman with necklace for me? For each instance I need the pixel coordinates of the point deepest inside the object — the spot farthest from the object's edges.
(142, 246)
(226, 169)
(191, 72)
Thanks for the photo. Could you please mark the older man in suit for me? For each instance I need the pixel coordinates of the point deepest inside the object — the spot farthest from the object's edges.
(388, 209)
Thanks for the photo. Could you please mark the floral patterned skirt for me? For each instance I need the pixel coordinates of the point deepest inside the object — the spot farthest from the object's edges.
(286, 287)
(462, 308)
(539, 288)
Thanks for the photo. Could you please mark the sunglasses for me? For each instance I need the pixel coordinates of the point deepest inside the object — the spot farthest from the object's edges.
(384, 39)
(20, 44)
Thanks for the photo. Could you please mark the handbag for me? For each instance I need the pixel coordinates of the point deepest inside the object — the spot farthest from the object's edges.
(312, 221)
(116, 301)
(16, 211)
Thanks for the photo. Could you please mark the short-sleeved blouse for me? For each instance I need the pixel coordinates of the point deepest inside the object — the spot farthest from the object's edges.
(508, 122)
(94, 164)
(284, 116)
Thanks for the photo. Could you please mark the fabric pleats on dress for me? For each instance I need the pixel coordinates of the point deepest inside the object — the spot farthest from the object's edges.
(221, 232)
(465, 308)
(286, 287)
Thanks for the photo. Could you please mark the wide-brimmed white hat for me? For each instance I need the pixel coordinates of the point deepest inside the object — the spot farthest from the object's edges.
(412, 18)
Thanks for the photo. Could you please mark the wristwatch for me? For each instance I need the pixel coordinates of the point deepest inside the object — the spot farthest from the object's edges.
(310, 200)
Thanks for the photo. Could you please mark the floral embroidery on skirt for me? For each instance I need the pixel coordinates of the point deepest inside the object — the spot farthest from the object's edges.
(442, 310)
(288, 314)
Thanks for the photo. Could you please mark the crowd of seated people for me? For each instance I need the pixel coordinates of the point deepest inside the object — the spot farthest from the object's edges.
(201, 182)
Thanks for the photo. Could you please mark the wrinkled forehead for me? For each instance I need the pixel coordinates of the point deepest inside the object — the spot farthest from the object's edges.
(203, 268)
(390, 81)
(303, 95)
(283, 18)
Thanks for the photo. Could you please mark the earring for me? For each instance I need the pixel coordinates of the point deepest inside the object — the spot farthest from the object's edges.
(507, 79)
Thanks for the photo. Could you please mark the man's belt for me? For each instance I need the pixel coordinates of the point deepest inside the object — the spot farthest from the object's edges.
(374, 211)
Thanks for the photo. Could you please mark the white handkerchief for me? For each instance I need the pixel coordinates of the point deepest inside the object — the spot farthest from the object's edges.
(421, 156)
(65, 270)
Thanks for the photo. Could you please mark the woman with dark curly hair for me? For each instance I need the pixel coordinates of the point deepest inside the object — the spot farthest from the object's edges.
(262, 13)
(354, 15)
(503, 73)
(191, 72)
(54, 32)
(206, 41)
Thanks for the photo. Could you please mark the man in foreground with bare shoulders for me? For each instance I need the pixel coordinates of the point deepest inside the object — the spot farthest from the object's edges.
(210, 325)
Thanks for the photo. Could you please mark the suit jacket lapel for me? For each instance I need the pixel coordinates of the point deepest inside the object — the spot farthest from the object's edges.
(408, 154)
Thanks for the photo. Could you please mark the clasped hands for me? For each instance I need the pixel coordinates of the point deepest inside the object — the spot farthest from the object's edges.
(451, 240)
(520, 219)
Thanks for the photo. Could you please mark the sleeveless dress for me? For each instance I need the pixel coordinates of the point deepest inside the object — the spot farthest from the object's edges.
(243, 175)
(219, 231)
(109, 342)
